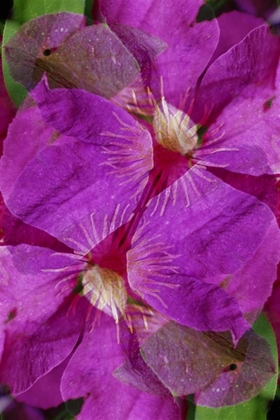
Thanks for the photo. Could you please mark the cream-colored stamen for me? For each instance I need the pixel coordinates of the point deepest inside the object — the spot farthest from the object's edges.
(174, 129)
(106, 291)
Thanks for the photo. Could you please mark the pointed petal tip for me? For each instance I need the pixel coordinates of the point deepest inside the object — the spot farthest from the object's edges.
(41, 88)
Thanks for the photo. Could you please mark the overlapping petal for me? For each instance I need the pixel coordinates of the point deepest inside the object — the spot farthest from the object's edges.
(234, 26)
(81, 380)
(178, 354)
(72, 55)
(194, 238)
(88, 181)
(190, 42)
(45, 393)
(35, 320)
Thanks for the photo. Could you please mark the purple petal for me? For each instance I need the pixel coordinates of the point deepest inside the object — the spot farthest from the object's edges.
(242, 87)
(234, 26)
(45, 393)
(7, 108)
(263, 187)
(208, 365)
(37, 324)
(25, 51)
(91, 58)
(234, 386)
(250, 144)
(257, 7)
(244, 72)
(134, 371)
(190, 43)
(193, 238)
(22, 412)
(97, 357)
(252, 284)
(99, 199)
(26, 127)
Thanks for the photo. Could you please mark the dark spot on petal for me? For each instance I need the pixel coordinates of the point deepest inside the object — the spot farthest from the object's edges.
(11, 315)
(268, 103)
(47, 52)
(233, 366)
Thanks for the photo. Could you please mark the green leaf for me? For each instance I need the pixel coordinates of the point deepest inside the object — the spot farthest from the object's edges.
(23, 11)
(15, 90)
(256, 408)
(88, 9)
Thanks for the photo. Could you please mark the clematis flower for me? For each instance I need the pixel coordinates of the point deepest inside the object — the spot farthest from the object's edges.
(176, 147)
(45, 323)
(103, 284)
(140, 214)
(232, 88)
(191, 200)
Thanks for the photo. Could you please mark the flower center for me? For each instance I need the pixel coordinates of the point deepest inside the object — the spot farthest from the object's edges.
(174, 129)
(106, 291)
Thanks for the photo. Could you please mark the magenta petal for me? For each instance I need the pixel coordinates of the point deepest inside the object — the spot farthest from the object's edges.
(7, 109)
(43, 347)
(207, 364)
(253, 280)
(263, 187)
(137, 374)
(272, 310)
(243, 72)
(86, 116)
(190, 42)
(25, 51)
(22, 412)
(100, 199)
(45, 393)
(234, 386)
(250, 144)
(242, 87)
(26, 127)
(134, 371)
(73, 56)
(89, 376)
(193, 238)
(38, 327)
(257, 7)
(234, 26)
(199, 305)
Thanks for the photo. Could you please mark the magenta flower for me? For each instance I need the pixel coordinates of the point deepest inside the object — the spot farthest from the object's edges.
(45, 323)
(237, 99)
(141, 209)
(44, 265)
(176, 146)
(235, 222)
